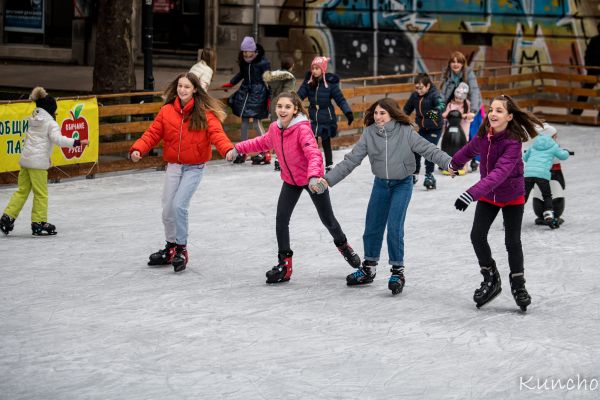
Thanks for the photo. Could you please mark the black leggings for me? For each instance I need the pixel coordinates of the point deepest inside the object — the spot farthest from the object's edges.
(288, 198)
(544, 185)
(485, 213)
(326, 143)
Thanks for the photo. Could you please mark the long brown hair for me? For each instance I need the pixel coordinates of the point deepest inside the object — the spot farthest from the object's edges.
(391, 106)
(521, 127)
(208, 56)
(460, 57)
(295, 101)
(202, 102)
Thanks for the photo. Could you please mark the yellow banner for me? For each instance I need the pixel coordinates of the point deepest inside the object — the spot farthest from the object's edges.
(76, 118)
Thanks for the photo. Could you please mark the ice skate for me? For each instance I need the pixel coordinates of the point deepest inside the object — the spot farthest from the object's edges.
(43, 229)
(490, 287)
(282, 272)
(7, 224)
(164, 256)
(517, 288)
(474, 165)
(276, 166)
(349, 255)
(261, 158)
(363, 275)
(240, 159)
(180, 259)
(397, 280)
(429, 182)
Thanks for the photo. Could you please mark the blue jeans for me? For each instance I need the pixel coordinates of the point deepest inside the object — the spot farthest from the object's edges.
(387, 206)
(181, 182)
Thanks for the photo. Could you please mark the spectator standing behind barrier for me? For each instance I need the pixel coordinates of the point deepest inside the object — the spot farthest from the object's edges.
(321, 87)
(251, 99)
(204, 68)
(592, 59)
(41, 137)
(456, 72)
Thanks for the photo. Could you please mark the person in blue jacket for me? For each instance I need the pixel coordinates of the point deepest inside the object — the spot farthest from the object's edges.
(251, 99)
(321, 87)
(538, 161)
(428, 105)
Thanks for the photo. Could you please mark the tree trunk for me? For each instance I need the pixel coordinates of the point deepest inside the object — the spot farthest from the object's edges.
(114, 67)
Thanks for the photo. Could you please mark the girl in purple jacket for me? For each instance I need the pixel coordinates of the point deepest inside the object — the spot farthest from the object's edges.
(301, 169)
(501, 187)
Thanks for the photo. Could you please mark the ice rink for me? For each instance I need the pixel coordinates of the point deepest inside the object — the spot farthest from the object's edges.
(83, 317)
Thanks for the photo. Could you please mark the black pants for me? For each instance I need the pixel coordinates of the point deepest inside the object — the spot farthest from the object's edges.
(326, 143)
(544, 185)
(432, 136)
(485, 213)
(288, 198)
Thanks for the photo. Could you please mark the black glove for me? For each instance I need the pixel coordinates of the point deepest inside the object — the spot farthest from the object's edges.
(432, 115)
(349, 117)
(463, 201)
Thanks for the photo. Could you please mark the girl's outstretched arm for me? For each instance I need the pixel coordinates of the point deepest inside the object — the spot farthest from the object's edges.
(349, 163)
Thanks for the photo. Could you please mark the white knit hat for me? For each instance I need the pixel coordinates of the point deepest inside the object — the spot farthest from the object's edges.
(547, 130)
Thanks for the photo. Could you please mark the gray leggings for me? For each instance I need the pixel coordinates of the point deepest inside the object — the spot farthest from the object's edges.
(246, 124)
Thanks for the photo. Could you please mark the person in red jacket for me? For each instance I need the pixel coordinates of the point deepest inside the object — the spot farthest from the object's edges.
(188, 123)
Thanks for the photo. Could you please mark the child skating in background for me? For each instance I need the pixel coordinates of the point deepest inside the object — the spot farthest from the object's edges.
(188, 124)
(301, 170)
(42, 135)
(458, 117)
(321, 87)
(251, 99)
(389, 141)
(501, 188)
(204, 68)
(428, 105)
(538, 161)
(279, 81)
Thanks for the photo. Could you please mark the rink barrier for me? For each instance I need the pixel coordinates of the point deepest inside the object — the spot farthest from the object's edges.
(549, 94)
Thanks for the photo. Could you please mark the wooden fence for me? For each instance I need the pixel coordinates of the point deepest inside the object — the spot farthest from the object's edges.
(550, 94)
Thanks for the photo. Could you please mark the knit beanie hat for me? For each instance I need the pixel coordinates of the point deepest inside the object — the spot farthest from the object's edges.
(547, 130)
(43, 100)
(460, 93)
(248, 44)
(320, 62)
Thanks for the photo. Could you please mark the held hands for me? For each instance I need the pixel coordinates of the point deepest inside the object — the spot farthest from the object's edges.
(317, 185)
(349, 117)
(463, 201)
(135, 156)
(231, 155)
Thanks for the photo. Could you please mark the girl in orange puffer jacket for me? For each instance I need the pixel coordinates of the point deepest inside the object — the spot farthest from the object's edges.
(188, 123)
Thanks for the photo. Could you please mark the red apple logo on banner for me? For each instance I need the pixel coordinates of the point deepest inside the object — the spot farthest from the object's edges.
(75, 127)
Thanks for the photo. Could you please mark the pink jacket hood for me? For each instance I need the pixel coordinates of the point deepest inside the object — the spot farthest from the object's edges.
(296, 149)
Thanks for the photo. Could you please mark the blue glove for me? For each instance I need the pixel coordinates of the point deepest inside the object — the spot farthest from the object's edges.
(463, 201)
(432, 115)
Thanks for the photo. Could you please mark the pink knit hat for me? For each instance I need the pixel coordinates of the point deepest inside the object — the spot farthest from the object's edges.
(248, 44)
(320, 62)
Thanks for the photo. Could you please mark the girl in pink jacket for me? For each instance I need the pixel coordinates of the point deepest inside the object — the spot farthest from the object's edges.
(301, 169)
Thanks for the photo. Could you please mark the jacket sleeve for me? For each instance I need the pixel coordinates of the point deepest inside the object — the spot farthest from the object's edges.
(474, 92)
(151, 137)
(466, 153)
(439, 103)
(257, 144)
(237, 77)
(409, 106)
(308, 144)
(216, 134)
(351, 160)
(339, 98)
(561, 154)
(431, 152)
(289, 85)
(303, 91)
(57, 138)
(500, 172)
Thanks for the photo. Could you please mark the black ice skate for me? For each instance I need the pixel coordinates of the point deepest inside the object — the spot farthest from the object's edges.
(282, 272)
(517, 288)
(261, 158)
(7, 224)
(474, 165)
(397, 280)
(490, 287)
(349, 255)
(429, 182)
(240, 159)
(180, 259)
(363, 275)
(43, 229)
(164, 256)
(276, 166)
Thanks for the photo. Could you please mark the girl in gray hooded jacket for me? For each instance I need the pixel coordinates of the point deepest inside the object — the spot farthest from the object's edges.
(389, 141)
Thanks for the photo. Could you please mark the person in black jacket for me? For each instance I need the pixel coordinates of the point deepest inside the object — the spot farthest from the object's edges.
(321, 87)
(591, 59)
(429, 105)
(251, 99)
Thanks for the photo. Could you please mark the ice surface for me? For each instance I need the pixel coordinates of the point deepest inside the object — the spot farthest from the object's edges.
(83, 317)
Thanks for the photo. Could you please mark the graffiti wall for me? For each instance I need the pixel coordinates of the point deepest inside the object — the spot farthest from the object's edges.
(381, 37)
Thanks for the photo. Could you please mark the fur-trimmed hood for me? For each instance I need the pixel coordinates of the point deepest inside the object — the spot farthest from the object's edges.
(278, 75)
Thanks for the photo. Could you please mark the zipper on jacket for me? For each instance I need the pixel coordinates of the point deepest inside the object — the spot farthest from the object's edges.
(180, 138)
(387, 175)
(316, 132)
(247, 94)
(421, 111)
(283, 158)
(487, 162)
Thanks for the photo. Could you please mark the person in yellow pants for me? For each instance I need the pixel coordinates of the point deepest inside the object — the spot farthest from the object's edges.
(42, 135)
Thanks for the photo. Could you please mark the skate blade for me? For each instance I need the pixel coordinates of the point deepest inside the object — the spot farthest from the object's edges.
(276, 282)
(44, 234)
(179, 269)
(479, 305)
